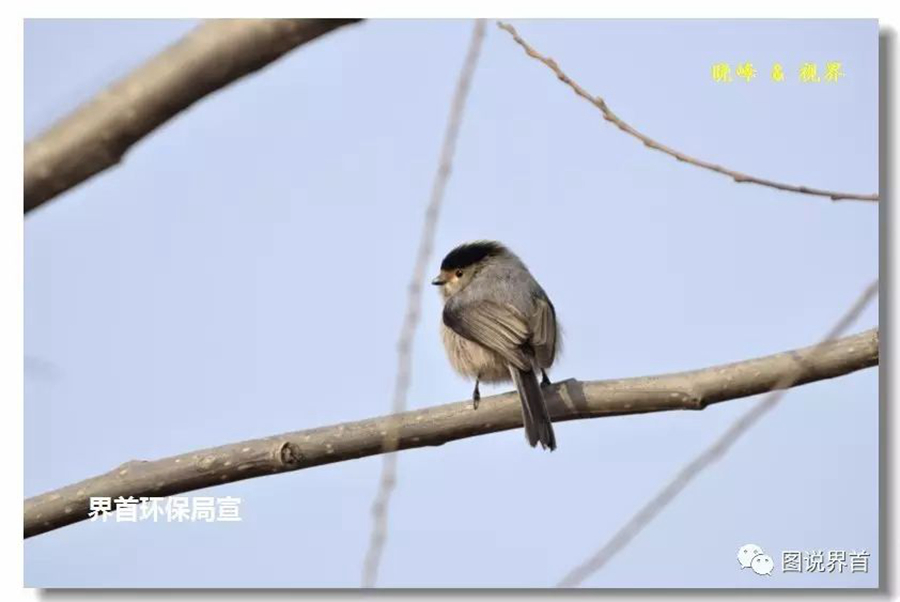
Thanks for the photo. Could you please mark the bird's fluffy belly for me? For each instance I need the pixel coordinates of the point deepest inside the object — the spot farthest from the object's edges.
(472, 360)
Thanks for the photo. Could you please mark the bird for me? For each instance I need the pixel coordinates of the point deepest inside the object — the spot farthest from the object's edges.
(498, 325)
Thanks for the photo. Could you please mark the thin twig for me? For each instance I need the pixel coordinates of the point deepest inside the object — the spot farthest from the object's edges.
(714, 452)
(97, 135)
(566, 400)
(737, 176)
(410, 322)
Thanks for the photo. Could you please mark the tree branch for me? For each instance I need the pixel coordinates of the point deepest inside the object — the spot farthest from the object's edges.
(388, 480)
(714, 452)
(98, 134)
(651, 143)
(568, 400)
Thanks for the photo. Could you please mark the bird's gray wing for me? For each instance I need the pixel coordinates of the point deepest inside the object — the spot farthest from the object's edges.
(499, 327)
(544, 332)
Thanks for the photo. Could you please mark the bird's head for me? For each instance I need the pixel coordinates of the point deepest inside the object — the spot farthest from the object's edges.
(463, 263)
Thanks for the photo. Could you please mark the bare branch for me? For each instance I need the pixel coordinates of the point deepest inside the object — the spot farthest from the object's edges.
(718, 448)
(567, 400)
(97, 135)
(388, 478)
(737, 176)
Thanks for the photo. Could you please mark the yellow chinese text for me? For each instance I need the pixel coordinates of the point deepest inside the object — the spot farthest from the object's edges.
(833, 71)
(746, 71)
(809, 73)
(721, 72)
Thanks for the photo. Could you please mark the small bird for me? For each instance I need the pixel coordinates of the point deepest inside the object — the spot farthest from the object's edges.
(499, 326)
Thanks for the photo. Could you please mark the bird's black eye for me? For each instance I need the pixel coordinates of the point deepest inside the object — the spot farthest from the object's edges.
(459, 273)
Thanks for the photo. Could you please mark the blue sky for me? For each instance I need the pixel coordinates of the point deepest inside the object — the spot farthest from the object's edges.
(243, 273)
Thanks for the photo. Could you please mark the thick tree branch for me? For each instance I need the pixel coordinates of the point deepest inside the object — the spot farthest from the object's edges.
(97, 135)
(568, 400)
(649, 142)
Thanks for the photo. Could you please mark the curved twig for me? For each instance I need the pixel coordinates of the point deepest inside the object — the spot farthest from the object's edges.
(651, 143)
(388, 479)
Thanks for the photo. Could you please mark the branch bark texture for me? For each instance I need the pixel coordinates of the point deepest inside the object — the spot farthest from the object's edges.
(567, 400)
(97, 135)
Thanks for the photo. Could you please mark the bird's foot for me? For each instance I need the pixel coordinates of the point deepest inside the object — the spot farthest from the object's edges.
(476, 396)
(544, 379)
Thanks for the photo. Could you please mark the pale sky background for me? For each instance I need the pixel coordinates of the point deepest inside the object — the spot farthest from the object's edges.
(243, 273)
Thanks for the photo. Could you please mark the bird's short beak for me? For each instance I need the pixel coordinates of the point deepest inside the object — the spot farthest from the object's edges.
(438, 281)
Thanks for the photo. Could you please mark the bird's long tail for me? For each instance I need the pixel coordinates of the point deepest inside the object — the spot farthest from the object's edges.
(538, 427)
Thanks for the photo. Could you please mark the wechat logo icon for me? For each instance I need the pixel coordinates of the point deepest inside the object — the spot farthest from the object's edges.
(751, 556)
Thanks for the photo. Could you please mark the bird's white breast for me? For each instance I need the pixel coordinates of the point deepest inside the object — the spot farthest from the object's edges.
(472, 360)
